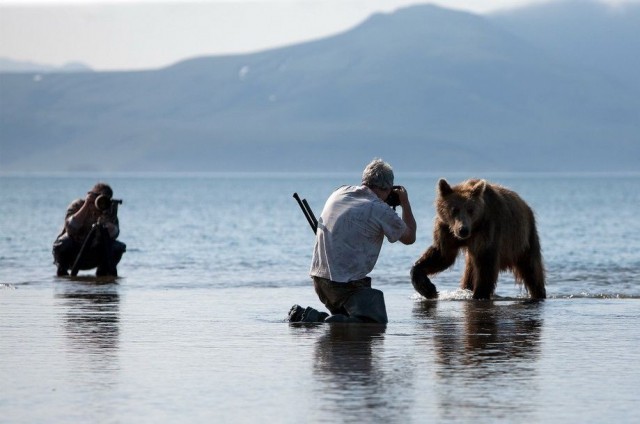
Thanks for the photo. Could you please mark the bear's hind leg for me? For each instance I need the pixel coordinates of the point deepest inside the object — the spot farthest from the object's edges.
(530, 271)
(530, 268)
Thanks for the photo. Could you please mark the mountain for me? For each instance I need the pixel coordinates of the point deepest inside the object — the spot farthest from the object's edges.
(10, 65)
(588, 34)
(426, 88)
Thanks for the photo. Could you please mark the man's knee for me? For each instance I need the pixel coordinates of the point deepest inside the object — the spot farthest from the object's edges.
(109, 257)
(118, 250)
(64, 249)
(367, 305)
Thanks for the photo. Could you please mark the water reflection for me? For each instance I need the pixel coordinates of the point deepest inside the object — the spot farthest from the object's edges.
(91, 317)
(347, 367)
(486, 358)
(345, 353)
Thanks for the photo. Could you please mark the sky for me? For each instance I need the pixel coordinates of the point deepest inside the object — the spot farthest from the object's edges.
(148, 34)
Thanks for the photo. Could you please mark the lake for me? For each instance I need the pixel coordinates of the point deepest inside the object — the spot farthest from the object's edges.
(194, 329)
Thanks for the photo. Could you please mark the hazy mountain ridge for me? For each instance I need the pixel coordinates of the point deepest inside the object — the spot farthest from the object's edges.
(425, 87)
(19, 66)
(588, 34)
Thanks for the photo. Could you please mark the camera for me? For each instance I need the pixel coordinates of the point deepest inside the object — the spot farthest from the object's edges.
(104, 202)
(393, 199)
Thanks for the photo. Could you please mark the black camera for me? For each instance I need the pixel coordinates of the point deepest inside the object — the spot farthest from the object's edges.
(104, 202)
(393, 199)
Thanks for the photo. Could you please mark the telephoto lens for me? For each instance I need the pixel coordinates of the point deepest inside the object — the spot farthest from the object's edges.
(103, 202)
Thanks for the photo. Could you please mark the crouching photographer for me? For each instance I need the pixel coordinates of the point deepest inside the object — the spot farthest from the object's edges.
(88, 239)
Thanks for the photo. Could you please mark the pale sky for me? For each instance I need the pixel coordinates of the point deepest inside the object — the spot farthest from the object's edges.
(143, 34)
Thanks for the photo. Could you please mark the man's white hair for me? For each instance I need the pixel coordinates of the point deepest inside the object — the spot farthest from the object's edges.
(378, 174)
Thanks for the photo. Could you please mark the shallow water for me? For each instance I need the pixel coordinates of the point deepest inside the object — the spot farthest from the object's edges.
(194, 329)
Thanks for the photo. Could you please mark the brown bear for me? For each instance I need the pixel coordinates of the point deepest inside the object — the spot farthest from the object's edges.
(497, 230)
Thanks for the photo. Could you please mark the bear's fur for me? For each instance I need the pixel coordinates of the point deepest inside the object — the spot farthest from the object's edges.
(497, 230)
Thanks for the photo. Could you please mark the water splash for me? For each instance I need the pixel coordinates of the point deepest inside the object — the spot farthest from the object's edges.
(458, 294)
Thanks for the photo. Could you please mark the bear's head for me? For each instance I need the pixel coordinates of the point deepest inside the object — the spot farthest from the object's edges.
(461, 206)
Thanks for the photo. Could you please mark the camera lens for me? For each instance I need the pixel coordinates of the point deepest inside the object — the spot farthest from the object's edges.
(103, 202)
(393, 199)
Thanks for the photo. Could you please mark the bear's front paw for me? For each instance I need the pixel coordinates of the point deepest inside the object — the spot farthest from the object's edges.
(422, 284)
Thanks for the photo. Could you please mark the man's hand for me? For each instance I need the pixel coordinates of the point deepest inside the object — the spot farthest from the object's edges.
(409, 236)
(402, 195)
(90, 200)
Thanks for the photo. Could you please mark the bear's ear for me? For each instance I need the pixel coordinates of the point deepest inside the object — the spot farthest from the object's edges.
(444, 188)
(478, 188)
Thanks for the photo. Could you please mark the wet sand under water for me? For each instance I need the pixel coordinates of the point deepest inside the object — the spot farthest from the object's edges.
(76, 351)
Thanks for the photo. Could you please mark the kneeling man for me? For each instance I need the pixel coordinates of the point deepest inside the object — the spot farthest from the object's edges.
(352, 226)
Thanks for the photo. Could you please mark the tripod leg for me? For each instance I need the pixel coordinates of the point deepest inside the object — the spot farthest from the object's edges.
(83, 249)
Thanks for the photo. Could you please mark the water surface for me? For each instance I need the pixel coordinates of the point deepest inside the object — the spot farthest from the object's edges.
(194, 329)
